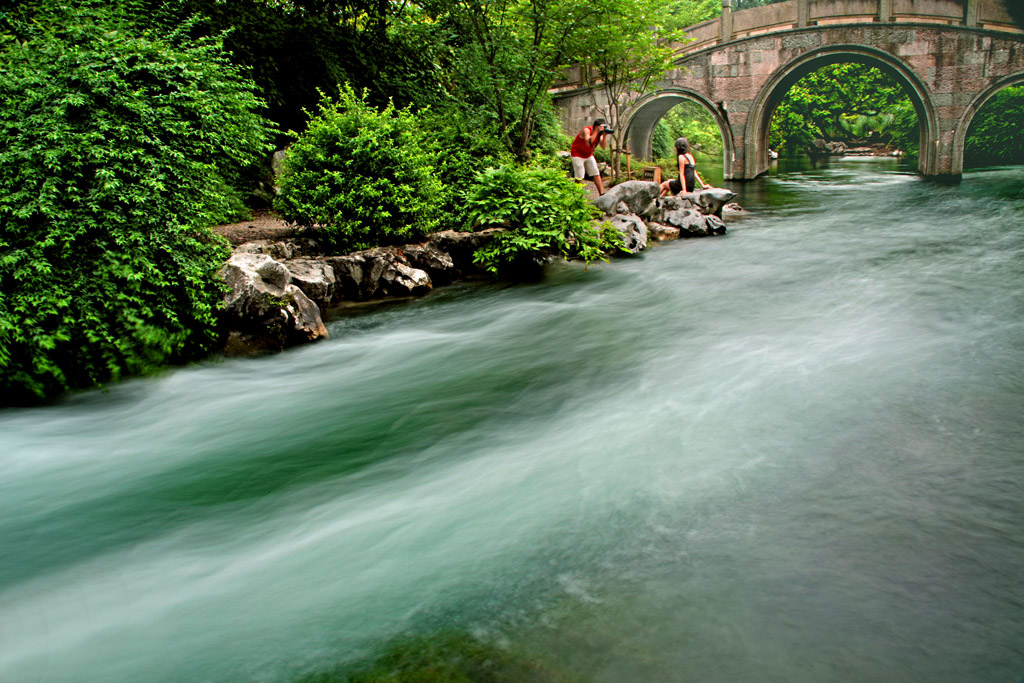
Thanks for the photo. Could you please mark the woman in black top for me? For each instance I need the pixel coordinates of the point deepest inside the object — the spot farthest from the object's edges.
(687, 171)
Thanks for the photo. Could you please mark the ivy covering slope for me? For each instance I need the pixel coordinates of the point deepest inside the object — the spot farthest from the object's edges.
(112, 143)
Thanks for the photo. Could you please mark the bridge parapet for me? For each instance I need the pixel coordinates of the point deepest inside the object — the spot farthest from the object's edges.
(793, 14)
(989, 15)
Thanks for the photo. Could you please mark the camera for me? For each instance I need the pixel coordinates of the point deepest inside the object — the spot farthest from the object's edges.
(608, 130)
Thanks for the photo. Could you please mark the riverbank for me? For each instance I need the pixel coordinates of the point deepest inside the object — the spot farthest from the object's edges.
(282, 283)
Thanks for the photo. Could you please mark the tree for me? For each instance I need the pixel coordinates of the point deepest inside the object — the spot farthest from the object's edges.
(115, 146)
(629, 47)
(505, 56)
(831, 102)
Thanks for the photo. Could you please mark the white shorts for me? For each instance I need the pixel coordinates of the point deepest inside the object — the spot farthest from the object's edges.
(580, 165)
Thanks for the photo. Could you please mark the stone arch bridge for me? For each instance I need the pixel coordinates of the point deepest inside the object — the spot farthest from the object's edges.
(950, 56)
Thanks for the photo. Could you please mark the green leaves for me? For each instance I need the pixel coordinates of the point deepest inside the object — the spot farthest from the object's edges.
(544, 213)
(366, 176)
(994, 136)
(113, 139)
(837, 102)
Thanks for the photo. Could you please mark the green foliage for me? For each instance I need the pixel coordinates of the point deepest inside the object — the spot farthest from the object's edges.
(294, 50)
(503, 58)
(906, 129)
(630, 45)
(686, 120)
(683, 13)
(112, 141)
(543, 211)
(366, 176)
(461, 153)
(837, 102)
(994, 136)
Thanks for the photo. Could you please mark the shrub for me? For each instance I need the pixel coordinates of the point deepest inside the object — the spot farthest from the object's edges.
(544, 211)
(365, 176)
(112, 143)
(463, 150)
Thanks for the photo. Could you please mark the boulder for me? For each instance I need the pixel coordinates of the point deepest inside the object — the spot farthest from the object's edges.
(712, 199)
(281, 249)
(639, 196)
(264, 311)
(714, 225)
(403, 280)
(633, 230)
(315, 277)
(689, 222)
(661, 233)
(680, 201)
(377, 272)
(460, 247)
(734, 209)
(427, 257)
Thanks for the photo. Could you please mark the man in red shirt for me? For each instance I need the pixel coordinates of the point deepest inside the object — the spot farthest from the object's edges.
(582, 152)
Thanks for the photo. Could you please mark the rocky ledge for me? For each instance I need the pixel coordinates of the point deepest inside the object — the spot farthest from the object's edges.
(279, 290)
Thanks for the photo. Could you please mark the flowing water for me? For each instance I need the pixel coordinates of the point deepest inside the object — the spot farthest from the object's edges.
(793, 453)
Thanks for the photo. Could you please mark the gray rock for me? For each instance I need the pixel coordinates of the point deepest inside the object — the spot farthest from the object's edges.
(460, 246)
(272, 272)
(819, 147)
(264, 311)
(403, 280)
(712, 199)
(640, 196)
(674, 202)
(374, 273)
(315, 277)
(306, 323)
(348, 276)
(281, 249)
(427, 257)
(714, 225)
(277, 162)
(688, 221)
(633, 229)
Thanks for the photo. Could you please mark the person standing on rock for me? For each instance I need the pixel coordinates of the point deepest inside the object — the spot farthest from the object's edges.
(582, 152)
(688, 177)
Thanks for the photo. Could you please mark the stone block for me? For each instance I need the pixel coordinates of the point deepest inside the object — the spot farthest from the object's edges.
(915, 48)
(999, 57)
(802, 41)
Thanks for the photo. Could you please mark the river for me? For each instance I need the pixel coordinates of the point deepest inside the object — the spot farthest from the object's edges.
(792, 453)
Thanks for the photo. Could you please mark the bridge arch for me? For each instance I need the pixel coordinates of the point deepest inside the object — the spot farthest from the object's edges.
(644, 115)
(964, 124)
(786, 76)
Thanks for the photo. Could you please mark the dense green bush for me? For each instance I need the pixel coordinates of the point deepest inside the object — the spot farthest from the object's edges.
(366, 176)
(462, 151)
(544, 211)
(112, 140)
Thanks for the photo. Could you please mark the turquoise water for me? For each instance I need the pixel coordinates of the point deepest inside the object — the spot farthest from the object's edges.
(794, 453)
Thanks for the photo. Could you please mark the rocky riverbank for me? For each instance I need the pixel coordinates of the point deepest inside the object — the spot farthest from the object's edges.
(282, 284)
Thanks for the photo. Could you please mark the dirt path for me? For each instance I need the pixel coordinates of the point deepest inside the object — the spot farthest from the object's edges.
(263, 225)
